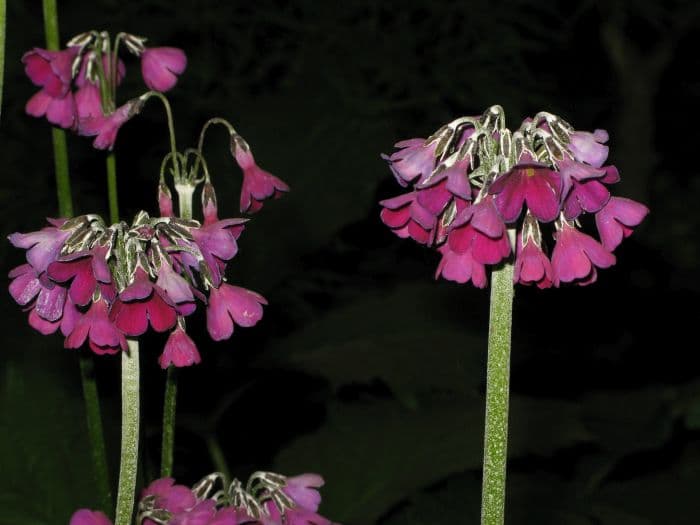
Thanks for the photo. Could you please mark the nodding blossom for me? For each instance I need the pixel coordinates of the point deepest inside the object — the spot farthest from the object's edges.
(482, 194)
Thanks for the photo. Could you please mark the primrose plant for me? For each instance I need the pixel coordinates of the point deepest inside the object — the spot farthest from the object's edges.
(104, 283)
(519, 203)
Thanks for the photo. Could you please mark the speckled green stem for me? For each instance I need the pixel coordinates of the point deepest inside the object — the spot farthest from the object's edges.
(112, 195)
(168, 438)
(493, 495)
(93, 415)
(128, 465)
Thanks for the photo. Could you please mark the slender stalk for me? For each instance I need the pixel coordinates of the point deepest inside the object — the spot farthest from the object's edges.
(3, 11)
(168, 440)
(216, 454)
(65, 209)
(171, 129)
(497, 396)
(112, 194)
(128, 465)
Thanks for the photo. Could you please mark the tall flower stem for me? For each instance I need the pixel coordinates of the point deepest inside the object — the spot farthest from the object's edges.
(497, 397)
(65, 209)
(128, 465)
(112, 194)
(168, 439)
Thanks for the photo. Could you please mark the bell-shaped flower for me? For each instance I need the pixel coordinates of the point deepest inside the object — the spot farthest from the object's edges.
(414, 160)
(585, 196)
(60, 111)
(25, 285)
(434, 198)
(576, 256)
(143, 303)
(231, 305)
(531, 183)
(616, 220)
(160, 67)
(258, 184)
(303, 490)
(89, 517)
(589, 147)
(460, 267)
(83, 270)
(105, 128)
(69, 317)
(50, 70)
(180, 350)
(96, 327)
(217, 244)
(293, 516)
(455, 175)
(531, 266)
(169, 496)
(407, 218)
(232, 516)
(43, 246)
(201, 514)
(88, 102)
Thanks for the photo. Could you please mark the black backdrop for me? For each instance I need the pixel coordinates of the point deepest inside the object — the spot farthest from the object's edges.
(364, 369)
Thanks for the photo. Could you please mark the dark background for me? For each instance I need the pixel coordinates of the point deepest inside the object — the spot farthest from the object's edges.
(365, 369)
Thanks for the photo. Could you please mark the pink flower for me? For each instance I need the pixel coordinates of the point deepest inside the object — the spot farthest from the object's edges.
(25, 285)
(42, 247)
(616, 220)
(141, 303)
(160, 67)
(576, 256)
(217, 244)
(589, 147)
(51, 70)
(171, 497)
(460, 267)
(229, 305)
(165, 201)
(101, 333)
(531, 183)
(89, 517)
(83, 270)
(67, 322)
(414, 160)
(589, 196)
(483, 249)
(303, 490)
(407, 218)
(258, 184)
(293, 516)
(434, 198)
(456, 177)
(58, 110)
(179, 350)
(88, 102)
(106, 127)
(531, 264)
(232, 516)
(178, 289)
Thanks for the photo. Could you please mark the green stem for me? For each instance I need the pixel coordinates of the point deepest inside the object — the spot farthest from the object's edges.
(216, 454)
(497, 393)
(168, 443)
(3, 11)
(65, 209)
(112, 194)
(128, 465)
(171, 129)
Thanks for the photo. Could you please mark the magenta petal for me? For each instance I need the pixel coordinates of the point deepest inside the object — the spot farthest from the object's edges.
(422, 216)
(171, 497)
(25, 285)
(131, 318)
(485, 218)
(616, 219)
(49, 304)
(177, 288)
(61, 111)
(41, 325)
(179, 350)
(245, 305)
(303, 490)
(38, 104)
(489, 251)
(395, 218)
(71, 315)
(79, 333)
(161, 314)
(399, 201)
(543, 194)
(510, 194)
(161, 65)
(434, 198)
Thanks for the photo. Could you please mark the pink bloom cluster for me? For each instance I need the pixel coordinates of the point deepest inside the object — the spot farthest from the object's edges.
(284, 501)
(99, 284)
(78, 84)
(481, 193)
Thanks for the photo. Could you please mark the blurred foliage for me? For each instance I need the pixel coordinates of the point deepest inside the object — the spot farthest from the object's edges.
(363, 368)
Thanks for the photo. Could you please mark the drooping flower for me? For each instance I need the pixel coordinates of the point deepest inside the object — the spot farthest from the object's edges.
(531, 266)
(169, 496)
(407, 218)
(217, 244)
(232, 305)
(89, 517)
(415, 160)
(180, 350)
(58, 110)
(293, 516)
(616, 220)
(589, 147)
(303, 489)
(50, 70)
(160, 67)
(258, 184)
(142, 303)
(105, 128)
(460, 267)
(531, 183)
(96, 327)
(586, 196)
(576, 256)
(83, 270)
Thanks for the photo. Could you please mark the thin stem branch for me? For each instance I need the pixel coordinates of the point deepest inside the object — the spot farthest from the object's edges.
(216, 453)
(65, 209)
(200, 143)
(112, 193)
(171, 129)
(128, 465)
(497, 397)
(168, 438)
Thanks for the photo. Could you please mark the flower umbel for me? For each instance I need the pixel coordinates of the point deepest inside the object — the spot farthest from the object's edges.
(481, 193)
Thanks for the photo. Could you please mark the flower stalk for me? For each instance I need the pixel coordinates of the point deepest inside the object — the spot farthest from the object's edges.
(168, 438)
(112, 195)
(128, 464)
(497, 396)
(65, 209)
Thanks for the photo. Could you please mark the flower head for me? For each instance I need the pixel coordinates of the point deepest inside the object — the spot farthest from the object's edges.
(258, 184)
(160, 67)
(179, 350)
(232, 305)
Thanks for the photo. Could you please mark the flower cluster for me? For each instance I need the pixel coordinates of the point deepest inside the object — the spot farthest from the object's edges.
(480, 192)
(267, 499)
(100, 284)
(78, 84)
